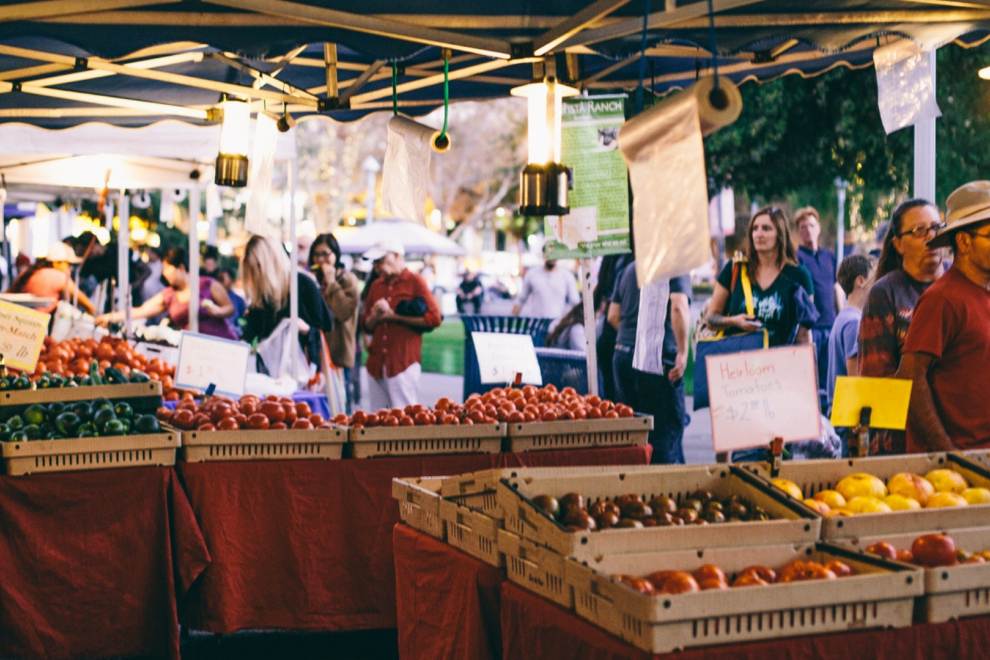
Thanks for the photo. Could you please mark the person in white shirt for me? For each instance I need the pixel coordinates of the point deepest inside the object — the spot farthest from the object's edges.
(546, 292)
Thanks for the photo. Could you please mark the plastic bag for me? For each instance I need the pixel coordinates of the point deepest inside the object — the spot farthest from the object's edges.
(282, 354)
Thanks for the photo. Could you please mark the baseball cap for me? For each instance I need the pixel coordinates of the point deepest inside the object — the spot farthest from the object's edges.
(381, 248)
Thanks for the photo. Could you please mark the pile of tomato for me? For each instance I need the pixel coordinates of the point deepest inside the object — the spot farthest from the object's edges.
(73, 357)
(250, 412)
(502, 404)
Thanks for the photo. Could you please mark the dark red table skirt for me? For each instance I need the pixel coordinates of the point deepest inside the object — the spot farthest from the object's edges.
(447, 602)
(307, 545)
(93, 563)
(533, 627)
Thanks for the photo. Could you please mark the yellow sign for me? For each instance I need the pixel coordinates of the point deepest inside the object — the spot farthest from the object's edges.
(888, 398)
(22, 332)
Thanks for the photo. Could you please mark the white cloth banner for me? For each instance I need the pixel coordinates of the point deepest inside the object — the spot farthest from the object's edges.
(262, 167)
(650, 327)
(905, 85)
(406, 173)
(666, 159)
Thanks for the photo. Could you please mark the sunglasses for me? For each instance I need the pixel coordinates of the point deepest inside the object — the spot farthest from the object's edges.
(924, 231)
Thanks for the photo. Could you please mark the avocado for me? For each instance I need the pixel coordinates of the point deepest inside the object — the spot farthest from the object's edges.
(82, 409)
(18, 436)
(32, 431)
(138, 376)
(22, 383)
(86, 430)
(123, 409)
(67, 423)
(101, 403)
(15, 423)
(103, 415)
(56, 409)
(147, 424)
(35, 414)
(114, 427)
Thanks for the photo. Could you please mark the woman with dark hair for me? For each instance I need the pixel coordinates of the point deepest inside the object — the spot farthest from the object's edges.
(339, 288)
(214, 303)
(781, 289)
(907, 267)
(568, 331)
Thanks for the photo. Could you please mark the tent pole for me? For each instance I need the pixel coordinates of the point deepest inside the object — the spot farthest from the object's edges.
(293, 254)
(590, 347)
(924, 151)
(194, 259)
(123, 260)
(4, 243)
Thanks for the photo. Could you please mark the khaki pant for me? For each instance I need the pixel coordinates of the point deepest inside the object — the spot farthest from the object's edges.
(396, 391)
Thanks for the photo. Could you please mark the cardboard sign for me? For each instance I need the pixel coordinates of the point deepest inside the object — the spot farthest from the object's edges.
(887, 397)
(205, 360)
(501, 356)
(22, 332)
(757, 396)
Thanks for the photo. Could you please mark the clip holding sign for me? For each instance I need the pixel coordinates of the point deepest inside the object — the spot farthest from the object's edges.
(859, 443)
(776, 456)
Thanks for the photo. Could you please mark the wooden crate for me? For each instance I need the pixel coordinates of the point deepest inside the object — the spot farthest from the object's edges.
(474, 532)
(792, 522)
(951, 592)
(420, 440)
(529, 436)
(880, 595)
(69, 394)
(253, 445)
(813, 476)
(535, 567)
(71, 455)
(979, 456)
(419, 503)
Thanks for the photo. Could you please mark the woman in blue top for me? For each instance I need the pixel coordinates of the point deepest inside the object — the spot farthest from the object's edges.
(782, 290)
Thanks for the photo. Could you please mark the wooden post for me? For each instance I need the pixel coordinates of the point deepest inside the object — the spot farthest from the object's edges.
(591, 350)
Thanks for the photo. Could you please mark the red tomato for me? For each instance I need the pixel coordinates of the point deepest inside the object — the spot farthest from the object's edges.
(303, 424)
(220, 411)
(594, 413)
(278, 426)
(341, 419)
(406, 420)
(183, 419)
(271, 397)
(303, 410)
(240, 419)
(228, 424)
(549, 416)
(164, 414)
(273, 411)
(372, 421)
(611, 414)
(206, 426)
(565, 415)
(248, 407)
(200, 418)
(360, 417)
(516, 418)
(423, 419)
(390, 421)
(258, 422)
(290, 413)
(316, 419)
(443, 404)
(624, 410)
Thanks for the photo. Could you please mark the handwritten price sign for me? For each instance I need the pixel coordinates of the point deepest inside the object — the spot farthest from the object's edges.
(206, 360)
(761, 395)
(22, 331)
(501, 356)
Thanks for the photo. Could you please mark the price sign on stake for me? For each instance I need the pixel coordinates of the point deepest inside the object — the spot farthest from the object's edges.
(22, 332)
(206, 360)
(502, 356)
(757, 396)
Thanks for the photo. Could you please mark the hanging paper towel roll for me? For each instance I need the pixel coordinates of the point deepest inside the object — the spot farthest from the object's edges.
(720, 109)
(406, 173)
(666, 158)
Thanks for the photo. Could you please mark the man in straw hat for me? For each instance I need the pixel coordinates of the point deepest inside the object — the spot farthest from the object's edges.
(947, 350)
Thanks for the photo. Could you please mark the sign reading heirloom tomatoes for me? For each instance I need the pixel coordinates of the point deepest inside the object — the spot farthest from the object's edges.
(22, 332)
(205, 360)
(501, 356)
(757, 396)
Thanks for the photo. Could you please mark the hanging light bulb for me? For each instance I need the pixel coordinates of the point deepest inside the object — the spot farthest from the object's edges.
(544, 181)
(232, 160)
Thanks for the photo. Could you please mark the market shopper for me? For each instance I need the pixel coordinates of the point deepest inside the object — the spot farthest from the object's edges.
(609, 272)
(339, 287)
(782, 290)
(214, 303)
(266, 271)
(398, 309)
(227, 277)
(907, 266)
(547, 292)
(947, 349)
(623, 312)
(820, 264)
(99, 262)
(51, 277)
(470, 292)
(567, 332)
(843, 346)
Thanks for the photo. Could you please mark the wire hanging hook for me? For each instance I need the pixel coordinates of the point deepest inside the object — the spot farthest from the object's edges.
(442, 141)
(395, 88)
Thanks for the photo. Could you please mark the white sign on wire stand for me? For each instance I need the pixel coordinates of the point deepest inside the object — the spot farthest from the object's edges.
(757, 396)
(501, 356)
(205, 360)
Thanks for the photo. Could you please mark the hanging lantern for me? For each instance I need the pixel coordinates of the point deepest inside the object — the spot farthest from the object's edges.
(544, 181)
(232, 160)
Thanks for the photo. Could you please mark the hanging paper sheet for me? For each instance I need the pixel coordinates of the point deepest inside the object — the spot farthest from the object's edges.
(262, 167)
(406, 173)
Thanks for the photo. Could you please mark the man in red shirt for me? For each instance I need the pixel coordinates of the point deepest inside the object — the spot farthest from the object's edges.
(947, 350)
(398, 309)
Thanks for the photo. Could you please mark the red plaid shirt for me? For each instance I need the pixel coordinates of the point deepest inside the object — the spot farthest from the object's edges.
(396, 346)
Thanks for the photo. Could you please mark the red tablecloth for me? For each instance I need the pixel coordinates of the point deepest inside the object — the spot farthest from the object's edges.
(533, 627)
(447, 602)
(307, 545)
(92, 563)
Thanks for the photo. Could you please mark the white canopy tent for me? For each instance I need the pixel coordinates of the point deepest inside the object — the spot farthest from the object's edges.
(416, 238)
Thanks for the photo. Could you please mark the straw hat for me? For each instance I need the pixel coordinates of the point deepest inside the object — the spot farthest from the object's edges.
(60, 252)
(968, 204)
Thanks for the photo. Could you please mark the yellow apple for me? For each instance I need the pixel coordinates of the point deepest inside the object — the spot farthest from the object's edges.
(832, 498)
(861, 484)
(947, 481)
(789, 487)
(818, 506)
(899, 502)
(839, 513)
(911, 485)
(977, 495)
(944, 499)
(867, 504)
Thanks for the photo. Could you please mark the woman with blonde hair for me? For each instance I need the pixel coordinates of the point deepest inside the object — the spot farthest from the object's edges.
(266, 271)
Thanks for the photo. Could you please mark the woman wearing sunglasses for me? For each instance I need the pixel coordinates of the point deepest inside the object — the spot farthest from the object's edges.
(906, 268)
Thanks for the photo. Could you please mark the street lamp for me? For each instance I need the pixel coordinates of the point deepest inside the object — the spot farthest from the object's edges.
(232, 160)
(544, 181)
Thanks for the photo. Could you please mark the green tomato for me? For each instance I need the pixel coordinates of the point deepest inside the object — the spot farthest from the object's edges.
(15, 423)
(32, 431)
(123, 409)
(35, 414)
(114, 427)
